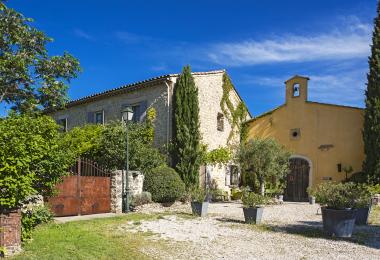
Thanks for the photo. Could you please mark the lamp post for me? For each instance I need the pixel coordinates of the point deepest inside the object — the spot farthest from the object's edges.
(127, 115)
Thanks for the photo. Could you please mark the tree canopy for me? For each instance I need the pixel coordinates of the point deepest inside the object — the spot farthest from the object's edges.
(30, 80)
(262, 159)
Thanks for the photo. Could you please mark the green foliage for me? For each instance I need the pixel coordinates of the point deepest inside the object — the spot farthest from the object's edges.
(32, 217)
(31, 158)
(141, 199)
(221, 155)
(198, 194)
(235, 116)
(236, 194)
(374, 189)
(371, 131)
(342, 195)
(187, 149)
(253, 200)
(107, 145)
(358, 177)
(164, 184)
(263, 160)
(30, 80)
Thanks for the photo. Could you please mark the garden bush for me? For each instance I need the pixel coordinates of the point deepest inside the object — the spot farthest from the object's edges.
(31, 217)
(164, 184)
(141, 199)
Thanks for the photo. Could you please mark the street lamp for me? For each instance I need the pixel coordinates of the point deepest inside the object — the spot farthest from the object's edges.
(127, 115)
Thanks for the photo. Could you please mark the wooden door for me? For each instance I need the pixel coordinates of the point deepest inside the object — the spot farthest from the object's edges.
(297, 180)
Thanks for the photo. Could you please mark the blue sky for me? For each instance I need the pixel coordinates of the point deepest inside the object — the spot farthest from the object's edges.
(259, 43)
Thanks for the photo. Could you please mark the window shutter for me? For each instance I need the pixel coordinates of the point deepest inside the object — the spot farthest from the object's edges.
(142, 110)
(90, 117)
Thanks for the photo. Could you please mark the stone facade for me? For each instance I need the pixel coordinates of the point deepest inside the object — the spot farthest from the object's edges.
(10, 232)
(157, 93)
(135, 185)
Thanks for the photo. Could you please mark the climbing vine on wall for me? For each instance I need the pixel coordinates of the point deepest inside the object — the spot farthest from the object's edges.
(235, 115)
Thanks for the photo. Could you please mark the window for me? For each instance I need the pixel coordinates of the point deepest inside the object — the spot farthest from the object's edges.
(296, 90)
(220, 122)
(63, 123)
(234, 174)
(136, 113)
(99, 117)
(295, 133)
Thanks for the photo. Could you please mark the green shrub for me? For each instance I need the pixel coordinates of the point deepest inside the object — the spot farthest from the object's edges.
(32, 158)
(344, 195)
(198, 194)
(236, 194)
(164, 184)
(253, 200)
(141, 199)
(32, 217)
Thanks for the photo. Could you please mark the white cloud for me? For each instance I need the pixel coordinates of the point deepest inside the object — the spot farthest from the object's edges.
(82, 34)
(350, 41)
(132, 38)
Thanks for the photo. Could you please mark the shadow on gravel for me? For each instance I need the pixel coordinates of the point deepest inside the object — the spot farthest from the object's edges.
(230, 220)
(364, 235)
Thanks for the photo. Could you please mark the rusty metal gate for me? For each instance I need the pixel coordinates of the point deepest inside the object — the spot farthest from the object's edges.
(297, 180)
(87, 190)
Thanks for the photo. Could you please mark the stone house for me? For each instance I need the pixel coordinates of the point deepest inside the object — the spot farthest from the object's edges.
(157, 93)
(324, 139)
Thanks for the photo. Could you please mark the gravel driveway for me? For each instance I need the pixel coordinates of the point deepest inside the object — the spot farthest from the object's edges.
(289, 231)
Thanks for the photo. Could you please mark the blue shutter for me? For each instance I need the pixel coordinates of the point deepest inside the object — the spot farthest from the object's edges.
(142, 110)
(90, 117)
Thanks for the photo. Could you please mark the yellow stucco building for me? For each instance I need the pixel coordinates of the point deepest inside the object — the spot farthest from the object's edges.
(324, 139)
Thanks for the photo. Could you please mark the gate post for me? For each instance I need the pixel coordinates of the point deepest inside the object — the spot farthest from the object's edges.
(117, 191)
(79, 164)
(10, 232)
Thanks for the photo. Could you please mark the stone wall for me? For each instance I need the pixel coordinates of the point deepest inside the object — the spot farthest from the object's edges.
(135, 185)
(10, 232)
(116, 191)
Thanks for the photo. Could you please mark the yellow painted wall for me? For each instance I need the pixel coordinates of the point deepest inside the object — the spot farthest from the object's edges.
(319, 124)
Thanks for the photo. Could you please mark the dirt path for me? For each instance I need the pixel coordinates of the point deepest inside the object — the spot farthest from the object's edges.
(290, 231)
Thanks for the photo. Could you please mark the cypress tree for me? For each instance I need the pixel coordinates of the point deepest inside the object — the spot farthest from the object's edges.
(371, 131)
(186, 153)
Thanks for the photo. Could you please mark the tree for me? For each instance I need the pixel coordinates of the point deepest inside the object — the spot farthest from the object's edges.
(32, 160)
(30, 80)
(371, 131)
(187, 148)
(107, 145)
(263, 159)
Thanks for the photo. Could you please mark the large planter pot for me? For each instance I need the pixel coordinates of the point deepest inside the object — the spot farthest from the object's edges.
(199, 208)
(362, 216)
(311, 200)
(338, 222)
(253, 215)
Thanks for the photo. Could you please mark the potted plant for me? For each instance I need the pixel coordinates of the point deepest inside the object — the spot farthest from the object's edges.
(362, 204)
(199, 205)
(253, 207)
(338, 213)
(311, 193)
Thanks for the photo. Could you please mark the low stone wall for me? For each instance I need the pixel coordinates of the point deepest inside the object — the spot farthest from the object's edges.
(10, 232)
(135, 185)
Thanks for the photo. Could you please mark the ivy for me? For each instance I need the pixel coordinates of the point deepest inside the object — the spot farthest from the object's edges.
(235, 116)
(221, 155)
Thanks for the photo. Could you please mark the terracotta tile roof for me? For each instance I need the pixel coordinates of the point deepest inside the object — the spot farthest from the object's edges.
(132, 87)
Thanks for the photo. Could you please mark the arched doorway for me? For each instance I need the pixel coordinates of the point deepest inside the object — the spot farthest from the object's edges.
(297, 180)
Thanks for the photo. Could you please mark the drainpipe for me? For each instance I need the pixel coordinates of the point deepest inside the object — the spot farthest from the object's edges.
(168, 114)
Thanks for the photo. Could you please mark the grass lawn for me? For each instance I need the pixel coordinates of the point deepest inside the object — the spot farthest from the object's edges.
(94, 239)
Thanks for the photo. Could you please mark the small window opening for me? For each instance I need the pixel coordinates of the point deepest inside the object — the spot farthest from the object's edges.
(220, 122)
(295, 133)
(296, 90)
(234, 175)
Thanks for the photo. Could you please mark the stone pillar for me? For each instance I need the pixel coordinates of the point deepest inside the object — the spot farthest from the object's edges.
(116, 191)
(135, 182)
(10, 231)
